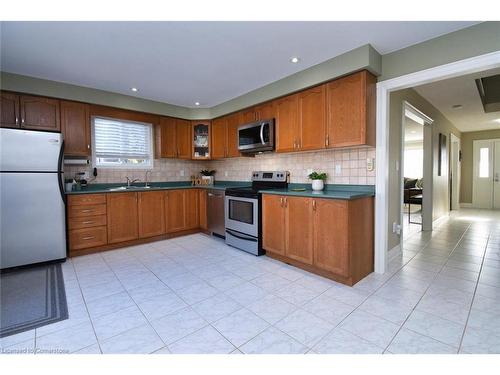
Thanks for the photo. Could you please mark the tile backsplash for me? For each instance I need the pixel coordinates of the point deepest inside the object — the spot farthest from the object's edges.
(352, 164)
(345, 166)
(163, 170)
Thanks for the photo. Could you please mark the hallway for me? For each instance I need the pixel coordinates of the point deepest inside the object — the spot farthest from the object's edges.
(457, 268)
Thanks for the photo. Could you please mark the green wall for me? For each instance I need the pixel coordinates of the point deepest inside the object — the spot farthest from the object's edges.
(473, 41)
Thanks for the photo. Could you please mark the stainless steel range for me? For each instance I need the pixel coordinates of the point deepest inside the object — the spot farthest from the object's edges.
(243, 210)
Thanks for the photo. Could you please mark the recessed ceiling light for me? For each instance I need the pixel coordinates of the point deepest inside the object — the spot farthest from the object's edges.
(457, 106)
(413, 132)
(294, 60)
(196, 103)
(134, 89)
(497, 120)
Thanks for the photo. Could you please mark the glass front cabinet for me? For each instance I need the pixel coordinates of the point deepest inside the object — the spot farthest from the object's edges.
(201, 139)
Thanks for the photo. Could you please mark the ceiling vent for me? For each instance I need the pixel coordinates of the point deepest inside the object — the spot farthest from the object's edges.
(489, 91)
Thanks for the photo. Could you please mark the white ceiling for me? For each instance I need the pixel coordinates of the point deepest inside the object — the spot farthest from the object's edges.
(184, 62)
(461, 90)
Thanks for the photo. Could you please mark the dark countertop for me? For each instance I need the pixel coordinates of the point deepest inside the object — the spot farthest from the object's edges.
(111, 188)
(332, 191)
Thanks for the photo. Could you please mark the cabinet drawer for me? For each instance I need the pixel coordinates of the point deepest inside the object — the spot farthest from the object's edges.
(82, 199)
(90, 210)
(86, 222)
(87, 237)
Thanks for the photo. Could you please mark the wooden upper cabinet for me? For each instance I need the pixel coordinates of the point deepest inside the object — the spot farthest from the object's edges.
(9, 110)
(248, 115)
(175, 210)
(122, 217)
(219, 138)
(183, 138)
(151, 214)
(286, 111)
(191, 208)
(264, 111)
(312, 118)
(331, 231)
(351, 110)
(75, 126)
(202, 197)
(39, 113)
(233, 121)
(299, 228)
(166, 146)
(273, 224)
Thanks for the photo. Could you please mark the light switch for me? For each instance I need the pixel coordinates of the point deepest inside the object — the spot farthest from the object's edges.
(338, 169)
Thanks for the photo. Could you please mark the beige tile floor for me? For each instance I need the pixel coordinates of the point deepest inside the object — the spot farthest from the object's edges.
(194, 294)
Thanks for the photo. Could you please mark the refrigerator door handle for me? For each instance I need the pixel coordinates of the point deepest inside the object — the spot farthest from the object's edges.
(60, 173)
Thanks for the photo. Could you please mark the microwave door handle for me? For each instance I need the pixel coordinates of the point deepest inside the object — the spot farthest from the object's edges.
(262, 133)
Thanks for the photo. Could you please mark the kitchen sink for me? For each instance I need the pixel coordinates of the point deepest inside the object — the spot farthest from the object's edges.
(129, 188)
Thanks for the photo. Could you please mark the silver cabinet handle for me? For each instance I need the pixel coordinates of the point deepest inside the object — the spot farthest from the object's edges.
(88, 222)
(17, 120)
(88, 238)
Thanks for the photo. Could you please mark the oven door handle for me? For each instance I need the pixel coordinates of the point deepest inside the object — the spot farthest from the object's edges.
(241, 237)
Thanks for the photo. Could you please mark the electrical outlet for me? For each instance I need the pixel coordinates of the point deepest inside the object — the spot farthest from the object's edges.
(181, 173)
(338, 169)
(370, 164)
(226, 174)
(396, 228)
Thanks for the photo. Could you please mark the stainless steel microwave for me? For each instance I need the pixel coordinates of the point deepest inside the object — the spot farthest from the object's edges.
(256, 137)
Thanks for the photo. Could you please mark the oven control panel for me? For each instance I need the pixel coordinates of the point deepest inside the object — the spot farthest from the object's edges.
(274, 176)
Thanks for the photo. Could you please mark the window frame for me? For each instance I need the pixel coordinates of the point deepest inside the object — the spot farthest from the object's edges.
(122, 166)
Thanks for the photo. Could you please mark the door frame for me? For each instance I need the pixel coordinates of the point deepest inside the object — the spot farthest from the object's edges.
(428, 165)
(455, 172)
(384, 88)
(474, 169)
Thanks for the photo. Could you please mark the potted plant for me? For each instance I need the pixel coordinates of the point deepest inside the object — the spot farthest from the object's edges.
(318, 180)
(208, 176)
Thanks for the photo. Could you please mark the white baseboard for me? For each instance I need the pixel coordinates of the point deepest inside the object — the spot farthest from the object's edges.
(394, 252)
(465, 205)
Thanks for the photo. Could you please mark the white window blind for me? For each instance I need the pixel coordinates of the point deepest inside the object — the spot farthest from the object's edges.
(119, 143)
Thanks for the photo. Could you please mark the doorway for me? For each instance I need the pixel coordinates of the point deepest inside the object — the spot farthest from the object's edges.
(486, 174)
(455, 167)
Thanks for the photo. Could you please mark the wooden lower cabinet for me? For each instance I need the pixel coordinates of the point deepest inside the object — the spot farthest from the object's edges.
(202, 196)
(192, 209)
(87, 237)
(330, 237)
(299, 229)
(122, 217)
(151, 214)
(273, 224)
(175, 215)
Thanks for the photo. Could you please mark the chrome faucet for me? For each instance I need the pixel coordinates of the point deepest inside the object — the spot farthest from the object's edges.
(130, 182)
(146, 183)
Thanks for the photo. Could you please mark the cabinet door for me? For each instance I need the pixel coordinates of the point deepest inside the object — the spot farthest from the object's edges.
(273, 224)
(248, 115)
(166, 146)
(175, 210)
(39, 113)
(151, 214)
(75, 126)
(192, 209)
(183, 139)
(350, 104)
(9, 110)
(264, 111)
(233, 121)
(299, 229)
(286, 110)
(122, 217)
(219, 138)
(312, 118)
(202, 196)
(331, 247)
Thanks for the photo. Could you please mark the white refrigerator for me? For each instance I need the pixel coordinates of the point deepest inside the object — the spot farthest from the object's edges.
(32, 200)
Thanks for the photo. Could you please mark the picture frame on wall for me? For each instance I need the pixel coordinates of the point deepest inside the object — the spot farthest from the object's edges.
(442, 155)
